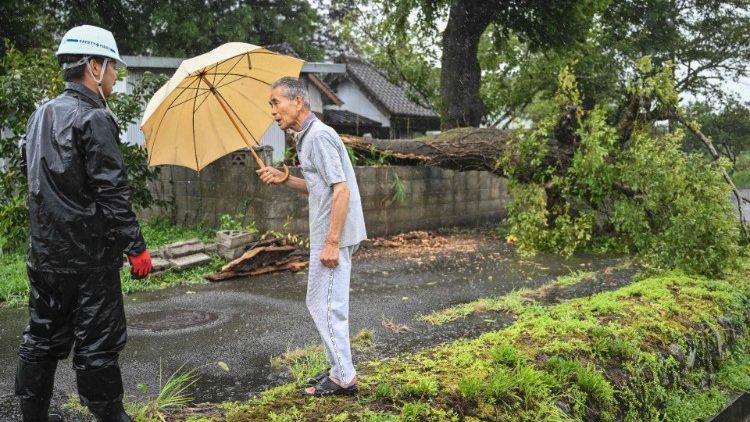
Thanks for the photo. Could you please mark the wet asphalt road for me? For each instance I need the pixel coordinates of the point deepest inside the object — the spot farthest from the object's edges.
(264, 316)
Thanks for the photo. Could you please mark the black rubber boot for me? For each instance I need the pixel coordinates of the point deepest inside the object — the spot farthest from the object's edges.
(36, 411)
(109, 412)
(101, 391)
(34, 383)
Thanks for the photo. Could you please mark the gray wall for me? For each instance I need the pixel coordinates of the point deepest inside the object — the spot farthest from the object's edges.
(434, 197)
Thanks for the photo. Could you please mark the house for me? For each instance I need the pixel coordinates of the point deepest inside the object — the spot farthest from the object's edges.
(320, 94)
(370, 99)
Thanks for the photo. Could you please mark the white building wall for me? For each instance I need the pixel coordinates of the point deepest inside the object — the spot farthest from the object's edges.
(316, 97)
(356, 102)
(274, 137)
(131, 135)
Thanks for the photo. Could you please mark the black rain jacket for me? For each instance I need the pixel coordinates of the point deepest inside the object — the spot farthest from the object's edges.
(80, 213)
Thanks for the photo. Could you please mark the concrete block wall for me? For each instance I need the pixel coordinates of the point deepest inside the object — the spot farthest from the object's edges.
(433, 197)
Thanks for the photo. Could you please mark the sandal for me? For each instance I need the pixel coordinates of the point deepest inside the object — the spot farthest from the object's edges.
(312, 381)
(327, 387)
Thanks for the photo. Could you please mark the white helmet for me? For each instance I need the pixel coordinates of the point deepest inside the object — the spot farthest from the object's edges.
(88, 40)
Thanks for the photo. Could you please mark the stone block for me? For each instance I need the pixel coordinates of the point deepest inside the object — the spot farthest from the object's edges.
(234, 238)
(179, 249)
(190, 261)
(211, 248)
(230, 253)
(160, 264)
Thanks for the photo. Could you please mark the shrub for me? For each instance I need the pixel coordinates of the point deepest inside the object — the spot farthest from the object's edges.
(633, 191)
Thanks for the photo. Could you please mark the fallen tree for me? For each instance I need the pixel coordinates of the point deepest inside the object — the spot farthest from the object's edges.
(458, 149)
(607, 176)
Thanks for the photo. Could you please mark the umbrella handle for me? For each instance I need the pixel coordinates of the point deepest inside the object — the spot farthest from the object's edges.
(282, 178)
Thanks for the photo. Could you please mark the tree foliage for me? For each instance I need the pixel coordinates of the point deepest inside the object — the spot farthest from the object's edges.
(537, 23)
(728, 126)
(168, 28)
(25, 24)
(28, 79)
(639, 193)
(706, 42)
(408, 59)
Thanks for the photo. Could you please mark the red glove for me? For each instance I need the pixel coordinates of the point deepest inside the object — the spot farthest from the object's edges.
(140, 265)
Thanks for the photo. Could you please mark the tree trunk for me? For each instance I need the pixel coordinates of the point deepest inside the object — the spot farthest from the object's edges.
(460, 75)
(460, 149)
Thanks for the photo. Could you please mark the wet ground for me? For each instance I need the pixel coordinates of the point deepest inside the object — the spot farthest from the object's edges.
(244, 322)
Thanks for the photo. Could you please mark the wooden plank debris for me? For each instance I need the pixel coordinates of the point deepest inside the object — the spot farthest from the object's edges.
(263, 257)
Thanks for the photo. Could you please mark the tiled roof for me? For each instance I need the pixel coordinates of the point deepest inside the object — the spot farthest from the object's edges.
(285, 48)
(390, 96)
(347, 118)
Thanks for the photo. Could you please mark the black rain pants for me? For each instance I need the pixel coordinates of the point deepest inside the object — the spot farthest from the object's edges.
(82, 312)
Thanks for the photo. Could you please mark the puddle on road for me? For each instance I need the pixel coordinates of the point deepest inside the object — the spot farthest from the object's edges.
(171, 319)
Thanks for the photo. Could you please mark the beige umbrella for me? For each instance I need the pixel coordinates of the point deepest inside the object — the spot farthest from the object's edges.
(215, 103)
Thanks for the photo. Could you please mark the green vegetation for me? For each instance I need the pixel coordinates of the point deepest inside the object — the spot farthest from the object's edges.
(172, 395)
(158, 232)
(14, 284)
(308, 361)
(171, 278)
(236, 222)
(632, 190)
(644, 352)
(741, 175)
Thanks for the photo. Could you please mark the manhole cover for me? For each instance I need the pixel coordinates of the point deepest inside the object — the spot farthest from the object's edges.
(171, 319)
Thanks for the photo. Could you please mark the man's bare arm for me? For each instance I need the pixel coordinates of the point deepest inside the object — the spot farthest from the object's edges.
(339, 210)
(329, 256)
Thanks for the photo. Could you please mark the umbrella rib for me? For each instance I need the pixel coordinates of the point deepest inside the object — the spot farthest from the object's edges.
(216, 68)
(244, 76)
(192, 115)
(227, 83)
(238, 118)
(202, 101)
(239, 56)
(188, 100)
(180, 94)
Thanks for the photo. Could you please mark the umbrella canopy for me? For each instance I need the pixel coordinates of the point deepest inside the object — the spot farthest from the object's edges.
(215, 103)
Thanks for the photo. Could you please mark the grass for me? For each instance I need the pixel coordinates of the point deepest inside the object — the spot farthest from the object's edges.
(160, 232)
(14, 289)
(607, 357)
(14, 285)
(190, 276)
(172, 395)
(310, 360)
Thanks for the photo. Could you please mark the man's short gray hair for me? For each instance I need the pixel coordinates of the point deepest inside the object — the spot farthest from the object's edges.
(293, 88)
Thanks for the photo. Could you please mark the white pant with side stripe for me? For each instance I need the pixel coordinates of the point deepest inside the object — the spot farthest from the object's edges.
(328, 304)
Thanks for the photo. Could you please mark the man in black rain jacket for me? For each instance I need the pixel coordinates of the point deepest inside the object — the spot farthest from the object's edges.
(81, 222)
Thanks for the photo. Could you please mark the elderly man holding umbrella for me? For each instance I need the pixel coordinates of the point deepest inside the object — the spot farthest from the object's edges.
(336, 228)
